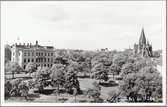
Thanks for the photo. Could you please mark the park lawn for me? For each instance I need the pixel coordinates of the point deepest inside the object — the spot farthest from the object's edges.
(85, 83)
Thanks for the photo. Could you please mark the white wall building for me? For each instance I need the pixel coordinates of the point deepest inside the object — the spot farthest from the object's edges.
(40, 55)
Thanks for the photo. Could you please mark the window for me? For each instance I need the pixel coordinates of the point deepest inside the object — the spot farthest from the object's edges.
(36, 60)
(24, 67)
(51, 60)
(28, 54)
(32, 60)
(13, 53)
(48, 59)
(48, 65)
(45, 54)
(44, 59)
(24, 60)
(51, 54)
(45, 65)
(41, 54)
(48, 54)
(51, 65)
(37, 54)
(24, 54)
(32, 53)
(28, 60)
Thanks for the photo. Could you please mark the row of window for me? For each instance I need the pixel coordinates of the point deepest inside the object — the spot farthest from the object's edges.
(38, 54)
(38, 60)
(37, 65)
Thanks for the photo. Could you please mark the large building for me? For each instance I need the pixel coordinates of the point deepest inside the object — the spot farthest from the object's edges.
(143, 48)
(39, 55)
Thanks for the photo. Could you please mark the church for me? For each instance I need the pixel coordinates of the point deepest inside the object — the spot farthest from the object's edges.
(144, 48)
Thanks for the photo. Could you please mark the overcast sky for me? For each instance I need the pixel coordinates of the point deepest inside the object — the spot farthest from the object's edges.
(83, 24)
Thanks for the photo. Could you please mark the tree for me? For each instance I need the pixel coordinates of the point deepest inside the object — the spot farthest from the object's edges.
(58, 75)
(8, 88)
(13, 67)
(115, 69)
(141, 86)
(71, 80)
(15, 87)
(120, 59)
(23, 89)
(127, 68)
(30, 68)
(7, 53)
(75, 92)
(99, 72)
(42, 77)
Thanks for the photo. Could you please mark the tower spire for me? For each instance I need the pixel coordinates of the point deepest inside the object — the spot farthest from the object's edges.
(142, 39)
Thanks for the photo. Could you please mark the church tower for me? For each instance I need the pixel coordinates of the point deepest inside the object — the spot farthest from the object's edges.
(143, 48)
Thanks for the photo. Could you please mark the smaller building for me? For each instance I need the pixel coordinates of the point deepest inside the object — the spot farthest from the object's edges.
(143, 48)
(39, 55)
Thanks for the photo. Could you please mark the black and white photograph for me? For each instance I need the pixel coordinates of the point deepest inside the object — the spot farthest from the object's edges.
(83, 53)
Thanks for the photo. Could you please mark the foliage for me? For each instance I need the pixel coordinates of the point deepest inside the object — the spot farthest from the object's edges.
(23, 89)
(16, 87)
(8, 88)
(120, 59)
(58, 75)
(7, 53)
(42, 77)
(99, 72)
(71, 80)
(13, 68)
(142, 86)
(115, 69)
(127, 69)
(30, 68)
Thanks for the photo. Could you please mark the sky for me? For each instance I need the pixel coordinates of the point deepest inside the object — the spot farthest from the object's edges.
(85, 25)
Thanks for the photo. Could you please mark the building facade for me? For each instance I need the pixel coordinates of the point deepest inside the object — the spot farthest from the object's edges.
(143, 48)
(39, 55)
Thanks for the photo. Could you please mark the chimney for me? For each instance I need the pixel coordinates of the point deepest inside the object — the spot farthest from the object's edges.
(27, 44)
(24, 44)
(30, 44)
(19, 43)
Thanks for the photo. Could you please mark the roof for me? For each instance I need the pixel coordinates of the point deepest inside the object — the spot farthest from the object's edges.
(142, 39)
(33, 47)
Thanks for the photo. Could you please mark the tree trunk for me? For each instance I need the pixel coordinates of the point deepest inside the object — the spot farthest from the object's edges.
(13, 75)
(26, 98)
(58, 89)
(84, 74)
(75, 98)
(29, 74)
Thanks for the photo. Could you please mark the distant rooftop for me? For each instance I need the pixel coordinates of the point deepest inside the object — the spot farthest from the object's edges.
(30, 46)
